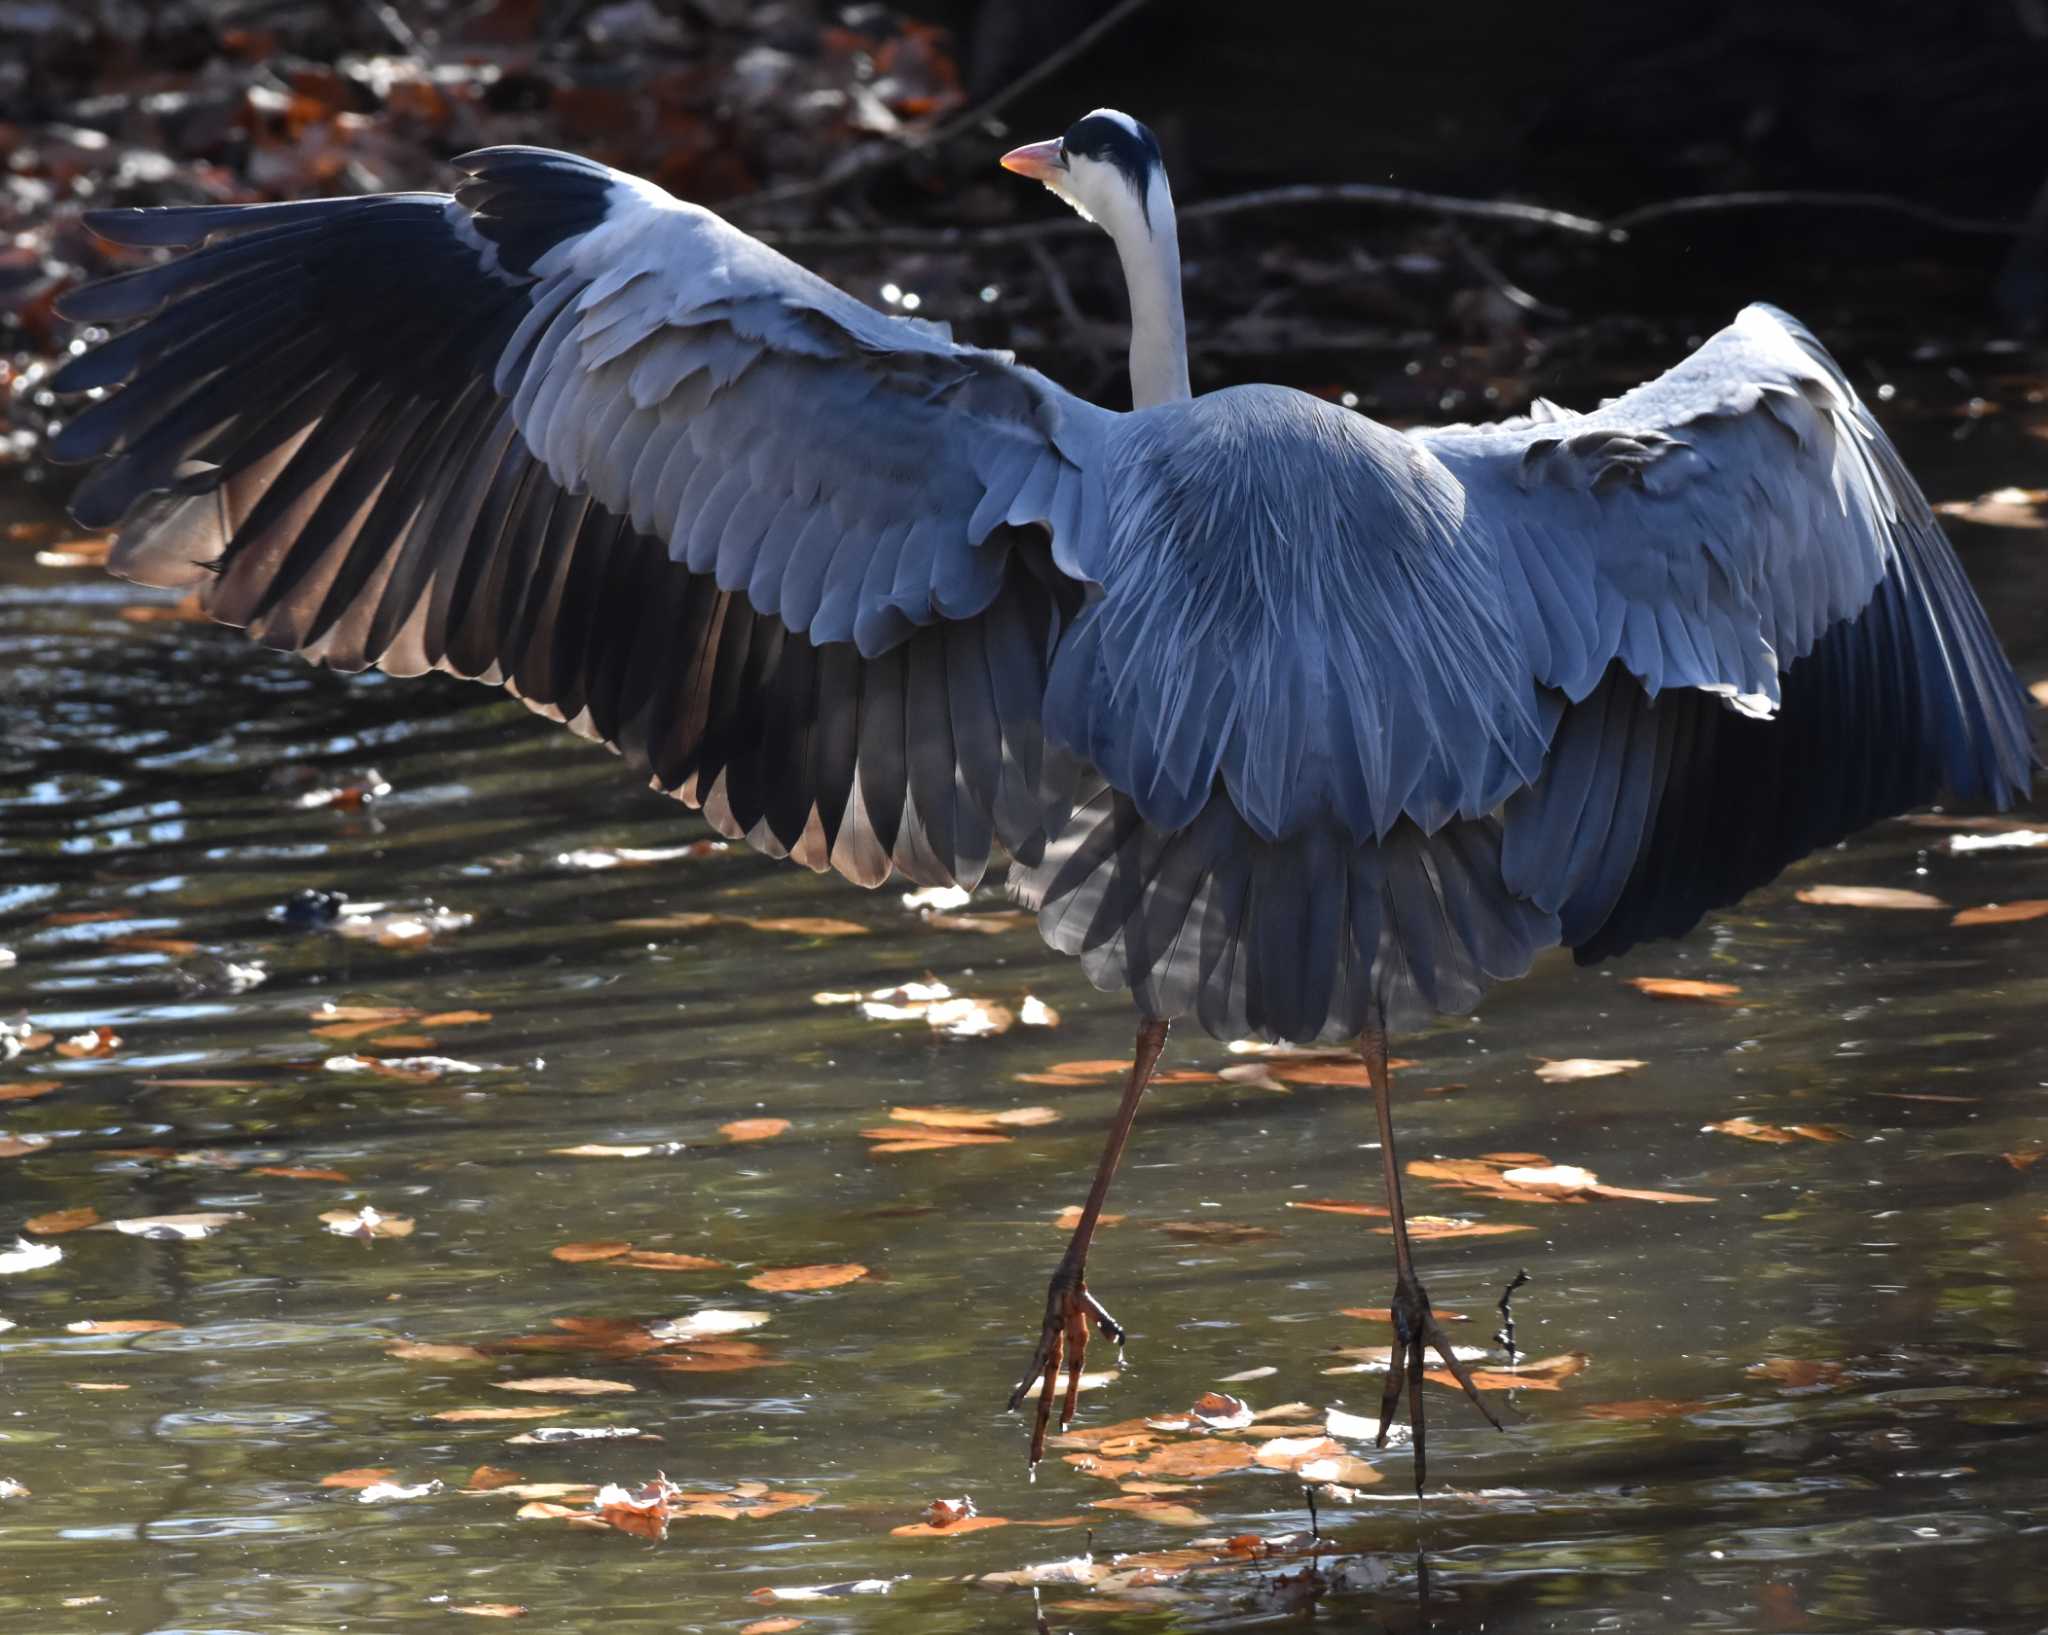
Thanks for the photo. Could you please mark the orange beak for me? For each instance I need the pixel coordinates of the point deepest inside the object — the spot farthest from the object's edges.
(1041, 161)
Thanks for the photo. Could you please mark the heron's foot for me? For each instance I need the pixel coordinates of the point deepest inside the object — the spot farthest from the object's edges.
(1416, 1331)
(1070, 1310)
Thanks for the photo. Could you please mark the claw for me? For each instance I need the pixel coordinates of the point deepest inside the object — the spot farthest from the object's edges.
(1416, 1333)
(1062, 1343)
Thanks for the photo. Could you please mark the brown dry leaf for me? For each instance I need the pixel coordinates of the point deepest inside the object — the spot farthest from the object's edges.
(292, 1172)
(92, 1042)
(1866, 897)
(366, 1223)
(2032, 908)
(601, 1149)
(1220, 1411)
(1070, 1217)
(804, 926)
(1545, 1374)
(574, 1252)
(199, 1224)
(970, 1118)
(1568, 1180)
(1198, 1458)
(464, 1416)
(927, 1138)
(1798, 1373)
(1445, 1226)
(771, 1626)
(63, 1220)
(454, 1019)
(1385, 1314)
(663, 1260)
(1342, 1469)
(1003, 919)
(966, 1524)
(379, 1015)
(753, 1129)
(1346, 1072)
(360, 1476)
(2039, 693)
(795, 1279)
(1749, 1129)
(1574, 1068)
(1286, 1452)
(1337, 1206)
(486, 1477)
(2025, 1158)
(429, 1351)
(97, 1385)
(26, 1090)
(2001, 508)
(15, 1146)
(1682, 987)
(488, 1609)
(566, 1385)
(121, 1325)
(1163, 1511)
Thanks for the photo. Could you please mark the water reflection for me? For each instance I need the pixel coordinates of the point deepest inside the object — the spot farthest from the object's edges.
(1881, 1470)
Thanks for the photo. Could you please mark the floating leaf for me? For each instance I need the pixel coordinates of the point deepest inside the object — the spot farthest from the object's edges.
(613, 857)
(92, 1042)
(969, 1118)
(1422, 1227)
(1162, 1511)
(287, 1172)
(465, 1416)
(2025, 1158)
(366, 1223)
(1583, 1183)
(428, 1351)
(381, 1492)
(664, 1260)
(2032, 908)
(599, 1149)
(63, 1220)
(577, 1252)
(1220, 1411)
(1748, 1129)
(1798, 1373)
(121, 1325)
(16, 1146)
(708, 1324)
(1641, 1410)
(488, 1609)
(2001, 508)
(793, 1279)
(1677, 987)
(1338, 1206)
(2004, 840)
(989, 925)
(1070, 1218)
(361, 1476)
(1574, 1068)
(771, 1626)
(1216, 1231)
(566, 1385)
(27, 1090)
(1867, 897)
(753, 1129)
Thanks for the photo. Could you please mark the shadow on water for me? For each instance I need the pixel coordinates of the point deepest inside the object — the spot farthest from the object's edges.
(1816, 1400)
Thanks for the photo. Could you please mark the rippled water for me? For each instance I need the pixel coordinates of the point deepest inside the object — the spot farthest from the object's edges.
(1883, 1471)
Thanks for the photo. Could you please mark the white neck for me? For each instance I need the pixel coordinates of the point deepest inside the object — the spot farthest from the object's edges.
(1150, 253)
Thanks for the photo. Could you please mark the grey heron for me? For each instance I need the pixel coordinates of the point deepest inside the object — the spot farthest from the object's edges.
(1287, 722)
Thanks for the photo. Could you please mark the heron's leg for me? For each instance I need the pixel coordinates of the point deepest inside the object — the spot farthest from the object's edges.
(1415, 1327)
(1069, 1307)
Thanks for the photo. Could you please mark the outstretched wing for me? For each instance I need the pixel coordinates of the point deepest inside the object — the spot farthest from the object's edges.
(1766, 641)
(562, 432)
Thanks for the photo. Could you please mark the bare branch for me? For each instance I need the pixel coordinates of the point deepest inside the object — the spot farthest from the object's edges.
(1703, 203)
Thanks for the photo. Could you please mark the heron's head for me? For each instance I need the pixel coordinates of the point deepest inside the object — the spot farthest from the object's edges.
(1107, 167)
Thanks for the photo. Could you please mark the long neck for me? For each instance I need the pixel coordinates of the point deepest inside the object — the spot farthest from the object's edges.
(1159, 336)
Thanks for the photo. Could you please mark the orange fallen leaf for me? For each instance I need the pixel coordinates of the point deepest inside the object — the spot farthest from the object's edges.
(360, 1476)
(574, 1252)
(1163, 1511)
(489, 1609)
(1679, 987)
(1385, 1314)
(93, 1042)
(464, 1416)
(603, 1149)
(177, 946)
(771, 1626)
(454, 1019)
(663, 1260)
(2025, 1158)
(1070, 1217)
(430, 1351)
(1545, 1374)
(1216, 1231)
(2032, 908)
(566, 1385)
(1642, 1409)
(1867, 897)
(26, 1090)
(753, 1129)
(1337, 1206)
(966, 1524)
(792, 1279)
(63, 1220)
(804, 926)
(1749, 1129)
(1445, 1226)
(970, 1118)
(366, 1223)
(121, 1325)
(2001, 508)
(88, 551)
(1798, 1373)
(1574, 1068)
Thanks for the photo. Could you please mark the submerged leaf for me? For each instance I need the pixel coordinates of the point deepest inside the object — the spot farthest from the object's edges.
(1573, 1068)
(1867, 897)
(1677, 987)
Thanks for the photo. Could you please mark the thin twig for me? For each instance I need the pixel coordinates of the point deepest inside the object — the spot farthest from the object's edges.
(1506, 1336)
(1816, 199)
(880, 157)
(1613, 231)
